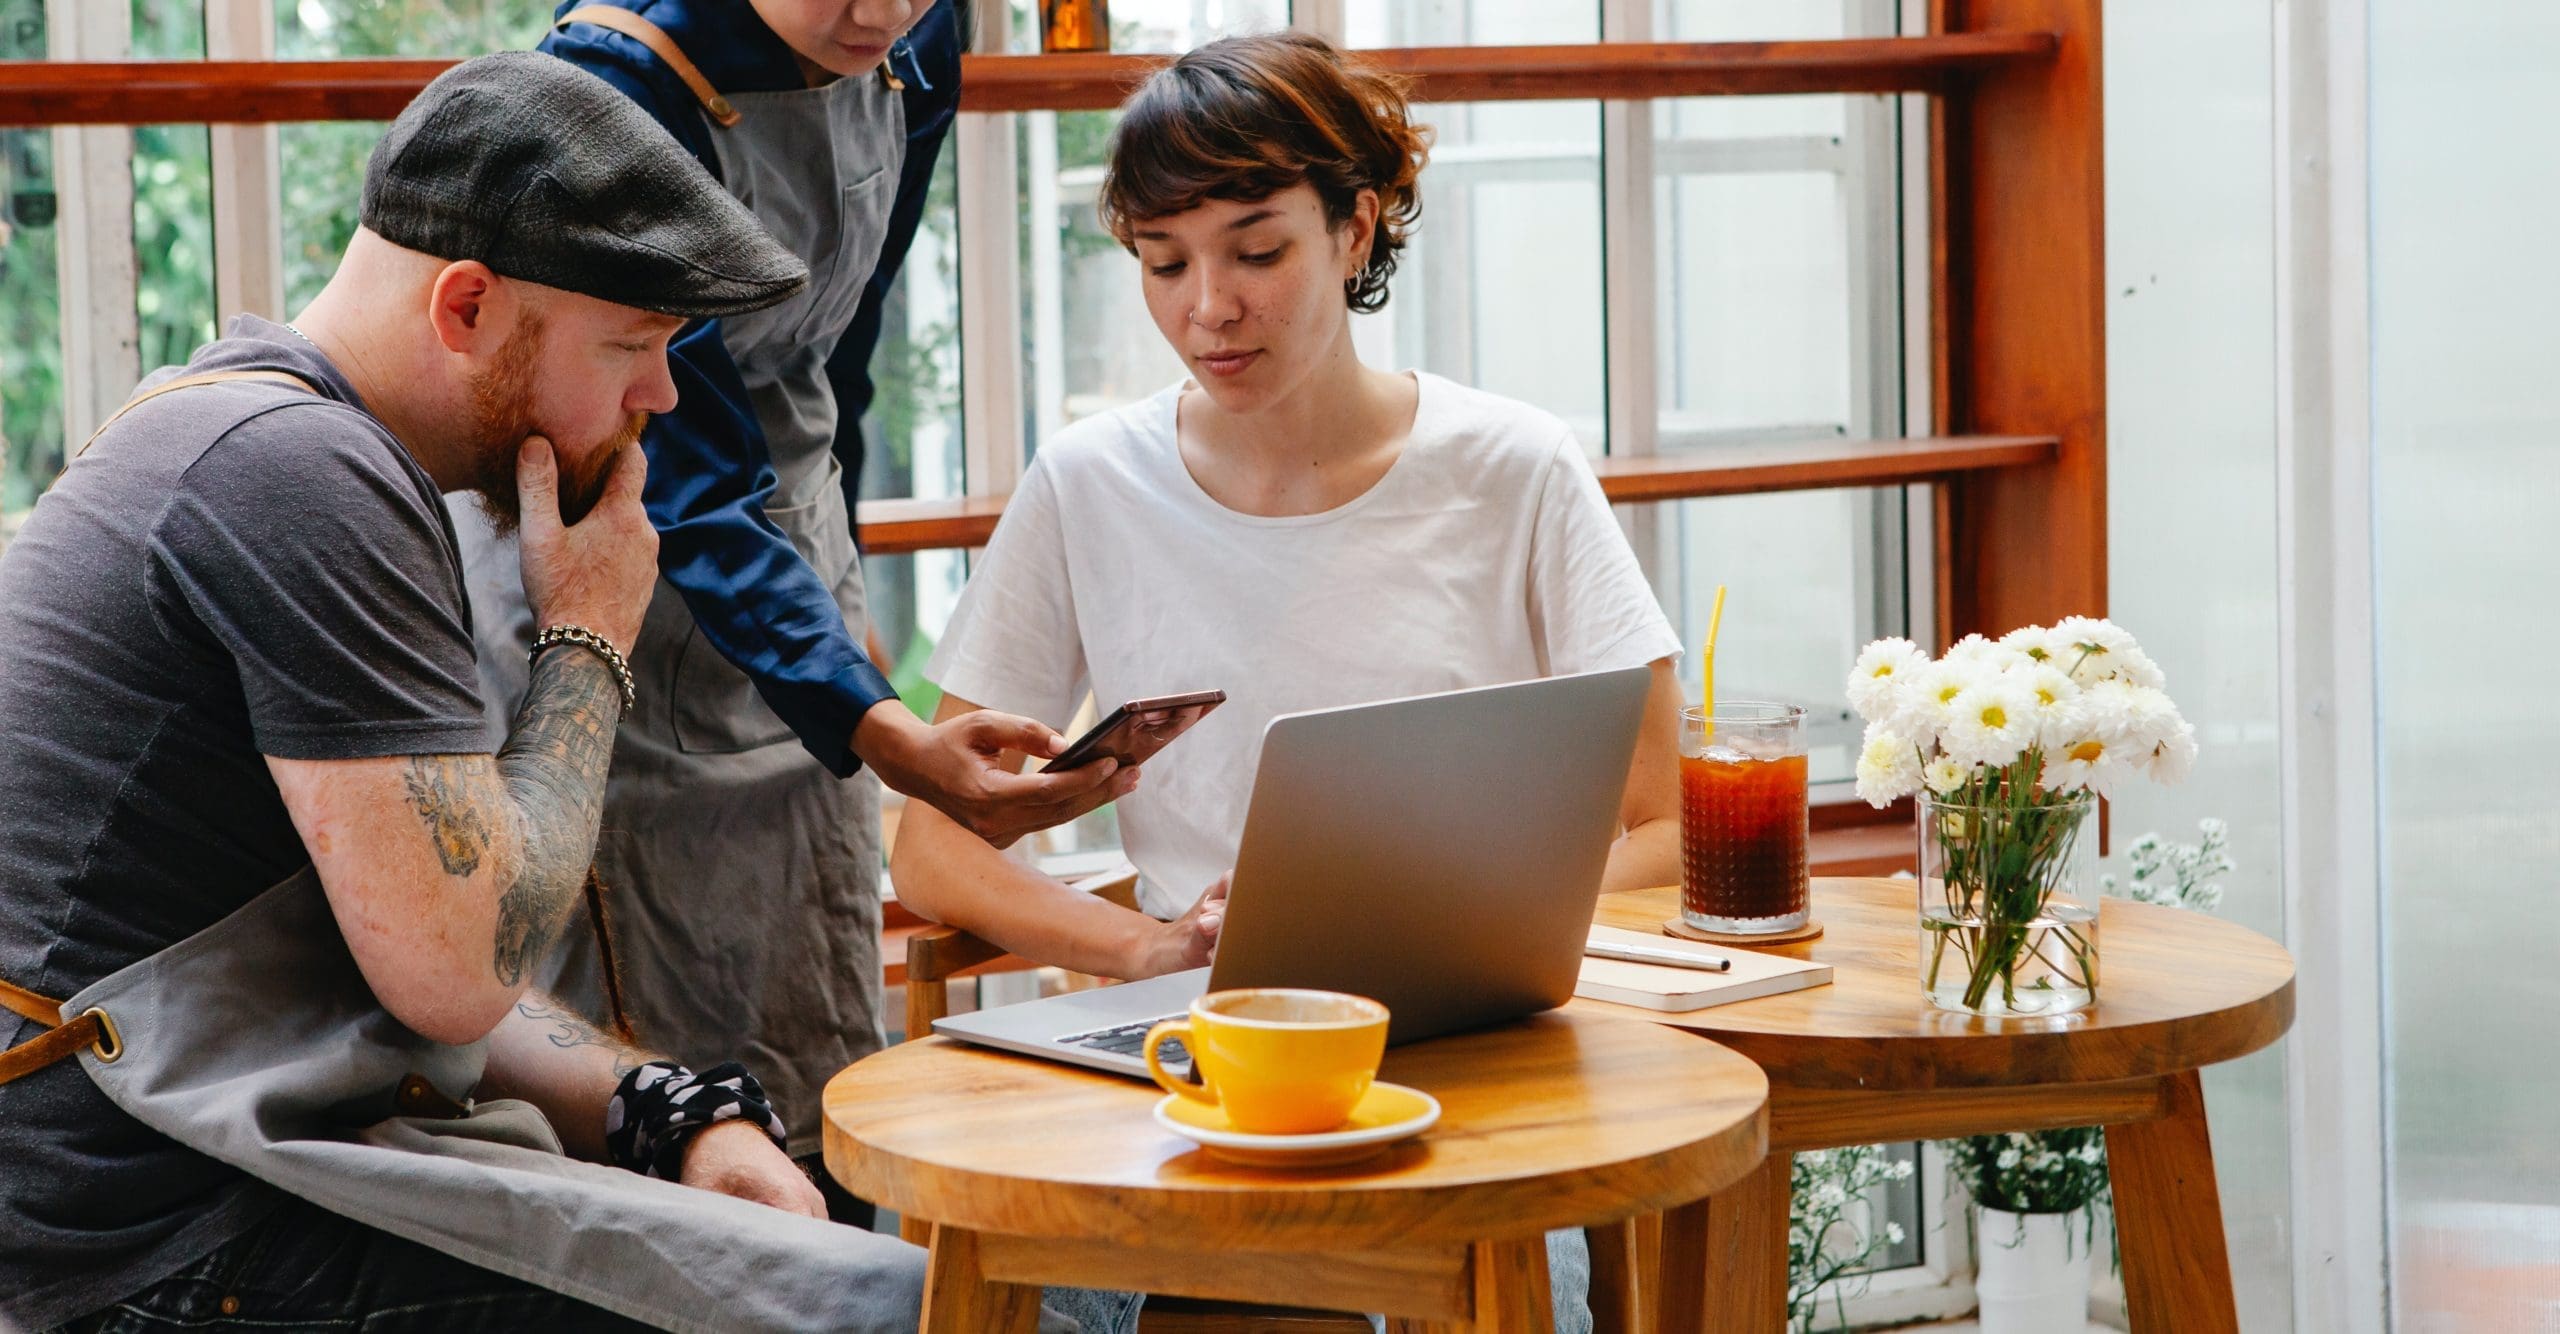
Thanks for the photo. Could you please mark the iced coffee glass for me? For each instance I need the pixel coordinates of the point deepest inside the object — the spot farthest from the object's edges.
(1742, 818)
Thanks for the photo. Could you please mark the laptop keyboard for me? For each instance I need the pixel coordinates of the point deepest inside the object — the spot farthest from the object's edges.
(1126, 1039)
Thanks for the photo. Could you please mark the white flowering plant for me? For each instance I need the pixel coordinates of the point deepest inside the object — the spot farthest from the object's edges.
(2177, 875)
(2039, 1172)
(1828, 1232)
(2008, 743)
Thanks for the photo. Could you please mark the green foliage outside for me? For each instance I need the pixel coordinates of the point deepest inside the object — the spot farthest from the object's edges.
(323, 167)
(322, 174)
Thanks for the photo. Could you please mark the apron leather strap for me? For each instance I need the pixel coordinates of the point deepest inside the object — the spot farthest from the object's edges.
(189, 382)
(91, 1029)
(720, 109)
(18, 1000)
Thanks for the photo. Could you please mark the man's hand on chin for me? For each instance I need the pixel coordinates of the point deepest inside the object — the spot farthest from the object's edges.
(738, 1158)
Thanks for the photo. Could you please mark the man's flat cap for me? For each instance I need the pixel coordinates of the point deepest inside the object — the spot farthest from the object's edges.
(548, 174)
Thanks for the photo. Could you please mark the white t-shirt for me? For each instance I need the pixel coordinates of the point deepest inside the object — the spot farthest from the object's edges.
(1485, 555)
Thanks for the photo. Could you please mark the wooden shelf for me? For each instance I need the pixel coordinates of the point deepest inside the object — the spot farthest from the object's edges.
(1550, 73)
(1814, 465)
(893, 526)
(153, 92)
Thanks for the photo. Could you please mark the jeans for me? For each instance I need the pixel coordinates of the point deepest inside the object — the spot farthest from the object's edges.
(306, 1269)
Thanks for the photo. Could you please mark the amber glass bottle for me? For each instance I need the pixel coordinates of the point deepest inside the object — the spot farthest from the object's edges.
(1075, 25)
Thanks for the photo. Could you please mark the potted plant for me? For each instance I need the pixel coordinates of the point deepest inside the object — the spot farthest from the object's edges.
(2036, 1194)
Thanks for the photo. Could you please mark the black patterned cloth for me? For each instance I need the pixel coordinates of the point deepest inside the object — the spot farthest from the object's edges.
(659, 1107)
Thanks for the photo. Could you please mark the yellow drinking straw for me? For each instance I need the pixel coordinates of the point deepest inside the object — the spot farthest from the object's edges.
(1707, 661)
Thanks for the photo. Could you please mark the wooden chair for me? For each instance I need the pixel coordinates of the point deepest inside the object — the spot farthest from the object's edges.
(1623, 1255)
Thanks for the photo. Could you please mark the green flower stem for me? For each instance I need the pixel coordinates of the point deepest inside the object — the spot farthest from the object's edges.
(2002, 847)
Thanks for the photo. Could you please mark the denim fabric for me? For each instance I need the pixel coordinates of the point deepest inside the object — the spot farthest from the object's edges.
(308, 1269)
(1096, 1310)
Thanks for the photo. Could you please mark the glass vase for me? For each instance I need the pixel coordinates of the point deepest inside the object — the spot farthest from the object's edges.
(2008, 905)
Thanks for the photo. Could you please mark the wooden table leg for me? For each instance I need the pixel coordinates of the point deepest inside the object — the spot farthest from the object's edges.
(960, 1299)
(2177, 1267)
(1624, 1269)
(1724, 1258)
(1511, 1295)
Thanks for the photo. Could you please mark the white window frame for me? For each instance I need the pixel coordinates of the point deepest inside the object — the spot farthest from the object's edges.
(2336, 1068)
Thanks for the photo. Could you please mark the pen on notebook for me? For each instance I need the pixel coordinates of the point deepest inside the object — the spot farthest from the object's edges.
(1712, 963)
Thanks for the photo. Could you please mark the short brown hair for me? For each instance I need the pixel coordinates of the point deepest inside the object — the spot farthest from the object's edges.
(1248, 117)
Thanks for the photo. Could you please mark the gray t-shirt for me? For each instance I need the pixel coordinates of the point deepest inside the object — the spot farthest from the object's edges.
(230, 572)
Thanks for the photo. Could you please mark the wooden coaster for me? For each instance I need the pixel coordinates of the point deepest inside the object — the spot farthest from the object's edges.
(1811, 930)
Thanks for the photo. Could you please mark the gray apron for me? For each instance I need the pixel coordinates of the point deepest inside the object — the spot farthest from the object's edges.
(257, 1042)
(743, 877)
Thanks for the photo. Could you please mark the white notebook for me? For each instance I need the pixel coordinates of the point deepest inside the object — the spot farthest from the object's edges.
(1661, 987)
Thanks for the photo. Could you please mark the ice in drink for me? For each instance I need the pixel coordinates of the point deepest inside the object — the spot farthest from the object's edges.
(1742, 819)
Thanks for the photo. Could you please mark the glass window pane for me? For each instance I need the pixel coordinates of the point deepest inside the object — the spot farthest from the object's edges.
(1500, 285)
(30, 292)
(30, 324)
(1159, 25)
(2464, 422)
(1470, 22)
(172, 201)
(913, 442)
(323, 162)
(345, 29)
(1089, 344)
(1763, 21)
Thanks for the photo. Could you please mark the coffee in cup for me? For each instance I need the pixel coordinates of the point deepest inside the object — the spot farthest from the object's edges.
(1278, 1061)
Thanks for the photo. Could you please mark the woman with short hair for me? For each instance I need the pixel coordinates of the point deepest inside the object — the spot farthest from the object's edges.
(1288, 525)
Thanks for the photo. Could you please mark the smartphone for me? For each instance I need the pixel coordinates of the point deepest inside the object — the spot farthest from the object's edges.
(1135, 731)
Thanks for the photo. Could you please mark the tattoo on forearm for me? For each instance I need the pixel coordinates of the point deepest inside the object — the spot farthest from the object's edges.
(570, 1030)
(441, 791)
(554, 765)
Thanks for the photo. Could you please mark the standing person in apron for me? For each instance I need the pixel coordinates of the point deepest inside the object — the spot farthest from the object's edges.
(745, 877)
(299, 1078)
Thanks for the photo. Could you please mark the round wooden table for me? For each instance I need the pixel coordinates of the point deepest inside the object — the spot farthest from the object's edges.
(1036, 1173)
(1868, 1060)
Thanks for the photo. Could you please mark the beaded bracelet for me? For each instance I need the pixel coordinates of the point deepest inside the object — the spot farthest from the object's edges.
(600, 646)
(659, 1107)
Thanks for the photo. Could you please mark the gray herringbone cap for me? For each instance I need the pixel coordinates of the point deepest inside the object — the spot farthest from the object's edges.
(548, 174)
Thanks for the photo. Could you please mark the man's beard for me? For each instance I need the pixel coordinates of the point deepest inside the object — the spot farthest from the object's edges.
(501, 418)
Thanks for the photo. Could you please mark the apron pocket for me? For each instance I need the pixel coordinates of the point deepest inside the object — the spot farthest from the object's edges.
(716, 708)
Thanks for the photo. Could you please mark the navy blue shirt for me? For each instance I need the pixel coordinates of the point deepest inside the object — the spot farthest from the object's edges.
(755, 599)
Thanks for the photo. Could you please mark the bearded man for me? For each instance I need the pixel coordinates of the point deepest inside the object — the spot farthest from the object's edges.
(253, 834)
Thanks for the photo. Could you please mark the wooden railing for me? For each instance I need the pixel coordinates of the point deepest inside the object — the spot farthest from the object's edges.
(893, 526)
(152, 92)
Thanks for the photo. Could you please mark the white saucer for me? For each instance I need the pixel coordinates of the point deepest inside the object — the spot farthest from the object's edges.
(1386, 1114)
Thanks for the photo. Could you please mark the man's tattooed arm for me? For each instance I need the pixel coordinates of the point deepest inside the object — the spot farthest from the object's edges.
(548, 792)
(554, 767)
(547, 1054)
(567, 1030)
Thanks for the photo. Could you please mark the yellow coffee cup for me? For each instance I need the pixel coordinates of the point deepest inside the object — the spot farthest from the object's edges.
(1278, 1061)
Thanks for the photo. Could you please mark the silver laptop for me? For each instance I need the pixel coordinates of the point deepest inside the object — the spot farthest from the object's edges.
(1441, 854)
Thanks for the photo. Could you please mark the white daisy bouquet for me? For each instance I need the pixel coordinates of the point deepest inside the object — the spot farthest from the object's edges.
(2008, 743)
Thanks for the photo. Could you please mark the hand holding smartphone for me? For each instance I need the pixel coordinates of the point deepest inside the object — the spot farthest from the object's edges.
(1135, 731)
